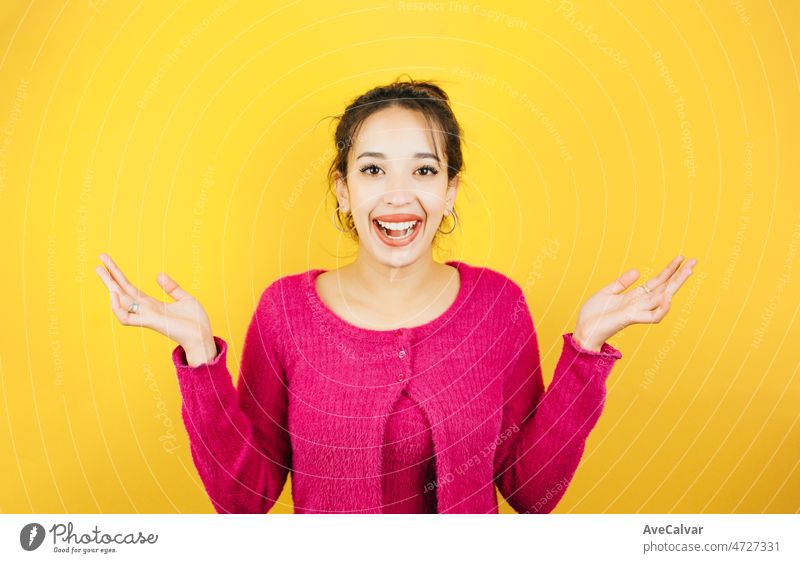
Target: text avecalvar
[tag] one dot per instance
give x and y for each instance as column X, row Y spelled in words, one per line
column 672, row 529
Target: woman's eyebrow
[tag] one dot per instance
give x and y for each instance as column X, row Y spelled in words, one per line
column 383, row 156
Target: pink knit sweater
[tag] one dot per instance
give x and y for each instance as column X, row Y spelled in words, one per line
column 408, row 460
column 316, row 396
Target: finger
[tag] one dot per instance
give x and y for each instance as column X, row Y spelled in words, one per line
column 622, row 282
column 120, row 305
column 651, row 300
column 651, row 316
column 678, row 279
column 665, row 274
column 119, row 276
column 109, row 282
column 171, row 287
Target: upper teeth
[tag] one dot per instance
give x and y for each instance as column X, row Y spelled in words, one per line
column 397, row 226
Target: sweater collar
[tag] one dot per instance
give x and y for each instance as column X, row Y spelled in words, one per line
column 415, row 333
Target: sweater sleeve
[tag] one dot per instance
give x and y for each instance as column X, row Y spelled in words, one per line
column 238, row 436
column 547, row 430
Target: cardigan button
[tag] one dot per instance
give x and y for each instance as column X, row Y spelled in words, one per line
column 401, row 354
column 400, row 377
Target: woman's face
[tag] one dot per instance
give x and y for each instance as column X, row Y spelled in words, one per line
column 396, row 188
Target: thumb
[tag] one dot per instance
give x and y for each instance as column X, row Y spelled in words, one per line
column 171, row 287
column 623, row 282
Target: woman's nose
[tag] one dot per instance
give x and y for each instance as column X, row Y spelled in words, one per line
column 397, row 193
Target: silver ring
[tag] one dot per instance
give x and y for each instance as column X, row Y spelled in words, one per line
column 134, row 308
column 644, row 287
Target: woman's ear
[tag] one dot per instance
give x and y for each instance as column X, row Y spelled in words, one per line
column 342, row 193
column 452, row 190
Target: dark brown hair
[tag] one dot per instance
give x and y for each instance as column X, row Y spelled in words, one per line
column 423, row 96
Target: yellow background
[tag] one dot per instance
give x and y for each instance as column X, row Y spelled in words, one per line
column 190, row 137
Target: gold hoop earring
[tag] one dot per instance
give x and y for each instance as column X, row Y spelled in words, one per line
column 455, row 222
column 334, row 217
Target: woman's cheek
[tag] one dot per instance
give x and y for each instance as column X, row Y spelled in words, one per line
column 433, row 202
column 363, row 203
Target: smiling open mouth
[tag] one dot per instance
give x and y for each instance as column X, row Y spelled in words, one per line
column 398, row 233
column 397, row 230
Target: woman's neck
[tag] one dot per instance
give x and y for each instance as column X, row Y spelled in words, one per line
column 393, row 288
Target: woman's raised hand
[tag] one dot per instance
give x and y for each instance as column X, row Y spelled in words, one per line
column 184, row 320
column 609, row 310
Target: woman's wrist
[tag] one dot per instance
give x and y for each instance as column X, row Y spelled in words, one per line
column 202, row 351
column 585, row 343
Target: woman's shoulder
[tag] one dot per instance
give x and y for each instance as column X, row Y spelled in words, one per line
column 290, row 280
column 488, row 280
column 286, row 291
column 496, row 297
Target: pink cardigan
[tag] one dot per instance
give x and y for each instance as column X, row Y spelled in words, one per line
column 409, row 460
column 314, row 393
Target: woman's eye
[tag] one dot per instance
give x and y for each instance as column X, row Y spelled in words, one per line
column 370, row 167
column 374, row 170
column 431, row 170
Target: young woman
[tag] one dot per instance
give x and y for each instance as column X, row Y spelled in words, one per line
column 394, row 383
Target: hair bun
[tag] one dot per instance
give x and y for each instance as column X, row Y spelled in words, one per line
column 432, row 89
column 418, row 87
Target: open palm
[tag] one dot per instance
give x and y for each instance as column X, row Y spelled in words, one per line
column 609, row 310
column 184, row 320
